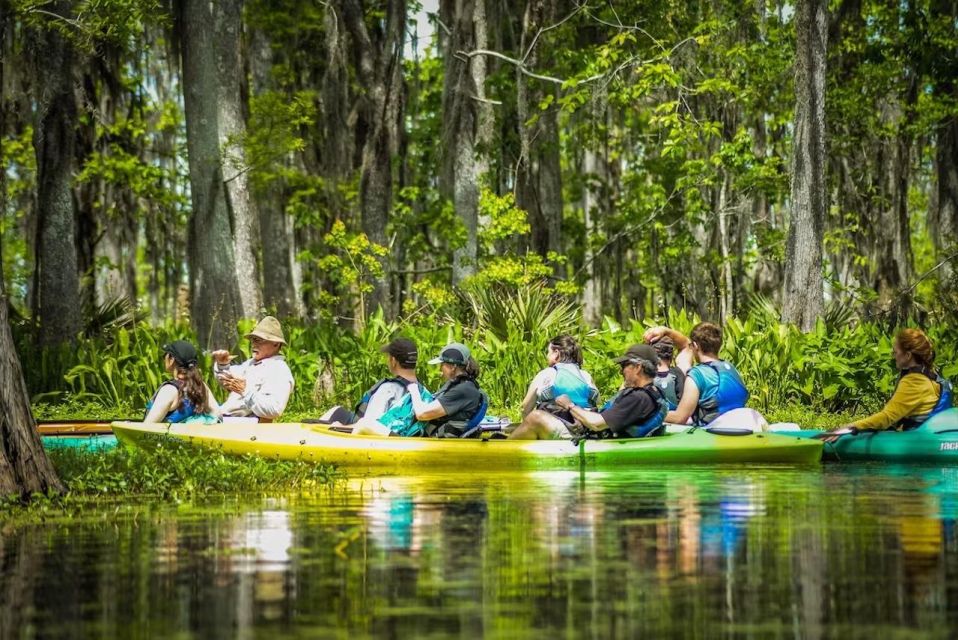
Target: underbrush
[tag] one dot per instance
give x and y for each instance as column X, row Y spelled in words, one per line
column 176, row 471
column 842, row 367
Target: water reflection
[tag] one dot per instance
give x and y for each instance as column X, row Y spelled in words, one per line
column 847, row 550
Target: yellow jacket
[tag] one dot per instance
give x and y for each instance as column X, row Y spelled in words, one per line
column 915, row 394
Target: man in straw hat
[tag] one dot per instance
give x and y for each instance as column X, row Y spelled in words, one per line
column 261, row 386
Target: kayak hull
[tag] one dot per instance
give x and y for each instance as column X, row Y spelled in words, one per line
column 936, row 441
column 294, row 441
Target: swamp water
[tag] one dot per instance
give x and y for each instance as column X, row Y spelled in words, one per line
column 855, row 551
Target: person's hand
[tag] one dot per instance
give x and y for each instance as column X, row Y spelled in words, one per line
column 832, row 436
column 233, row 383
column 565, row 402
column 222, row 356
column 654, row 334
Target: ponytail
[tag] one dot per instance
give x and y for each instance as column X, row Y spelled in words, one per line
column 194, row 389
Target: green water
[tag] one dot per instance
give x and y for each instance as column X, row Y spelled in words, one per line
column 837, row 551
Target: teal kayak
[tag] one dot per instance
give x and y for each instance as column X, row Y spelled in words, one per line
column 934, row 441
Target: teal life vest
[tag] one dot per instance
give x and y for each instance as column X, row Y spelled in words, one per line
column 719, row 394
column 360, row 409
column 667, row 383
column 569, row 381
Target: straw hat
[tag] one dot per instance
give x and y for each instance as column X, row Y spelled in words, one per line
column 268, row 329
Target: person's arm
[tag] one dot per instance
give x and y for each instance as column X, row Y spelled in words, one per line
column 910, row 394
column 529, row 402
column 592, row 420
column 165, row 401
column 380, row 401
column 424, row 411
column 653, row 335
column 222, row 365
column 270, row 399
column 211, row 400
column 690, row 400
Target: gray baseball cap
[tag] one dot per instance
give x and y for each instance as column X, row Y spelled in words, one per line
column 453, row 353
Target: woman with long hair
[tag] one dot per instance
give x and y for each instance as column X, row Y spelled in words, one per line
column 921, row 391
column 563, row 376
column 185, row 395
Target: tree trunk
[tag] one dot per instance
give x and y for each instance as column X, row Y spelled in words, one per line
column 24, row 466
column 803, row 295
column 463, row 161
column 539, row 179
column 215, row 296
column 54, row 141
column 231, row 120
column 946, row 150
column 279, row 288
column 379, row 69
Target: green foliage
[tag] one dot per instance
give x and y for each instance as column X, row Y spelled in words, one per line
column 355, row 262
column 177, row 471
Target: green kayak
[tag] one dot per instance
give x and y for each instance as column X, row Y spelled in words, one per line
column 294, row 441
column 934, row 441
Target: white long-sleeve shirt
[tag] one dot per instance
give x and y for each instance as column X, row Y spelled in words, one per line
column 269, row 383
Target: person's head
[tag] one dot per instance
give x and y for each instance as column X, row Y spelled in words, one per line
column 180, row 355
column 564, row 348
column 706, row 340
column 182, row 360
column 639, row 364
column 664, row 348
column 402, row 354
column 456, row 360
column 266, row 338
column 912, row 348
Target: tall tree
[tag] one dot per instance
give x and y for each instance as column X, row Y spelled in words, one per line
column 803, row 296
column 280, row 293
column 54, row 140
column 24, row 466
column 231, row 126
column 215, row 293
column 467, row 123
column 377, row 54
column 539, row 180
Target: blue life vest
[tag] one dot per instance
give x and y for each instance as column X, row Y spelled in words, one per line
column 945, row 399
column 654, row 423
column 457, row 428
column 183, row 411
column 569, row 381
column 718, row 394
column 667, row 383
column 363, row 404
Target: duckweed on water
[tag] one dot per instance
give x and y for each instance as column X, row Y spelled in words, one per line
column 175, row 471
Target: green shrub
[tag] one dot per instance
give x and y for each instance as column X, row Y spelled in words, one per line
column 843, row 366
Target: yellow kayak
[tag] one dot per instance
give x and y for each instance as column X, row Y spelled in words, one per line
column 295, row 441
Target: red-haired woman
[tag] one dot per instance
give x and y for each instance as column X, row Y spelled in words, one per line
column 921, row 391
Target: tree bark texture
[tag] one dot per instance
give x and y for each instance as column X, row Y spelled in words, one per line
column 539, row 181
column 379, row 69
column 280, row 293
column 54, row 141
column 24, row 466
column 803, row 295
column 215, row 298
column 465, row 123
column 231, row 120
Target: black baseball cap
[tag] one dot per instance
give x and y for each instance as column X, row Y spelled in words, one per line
column 183, row 353
column 404, row 351
column 638, row 352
